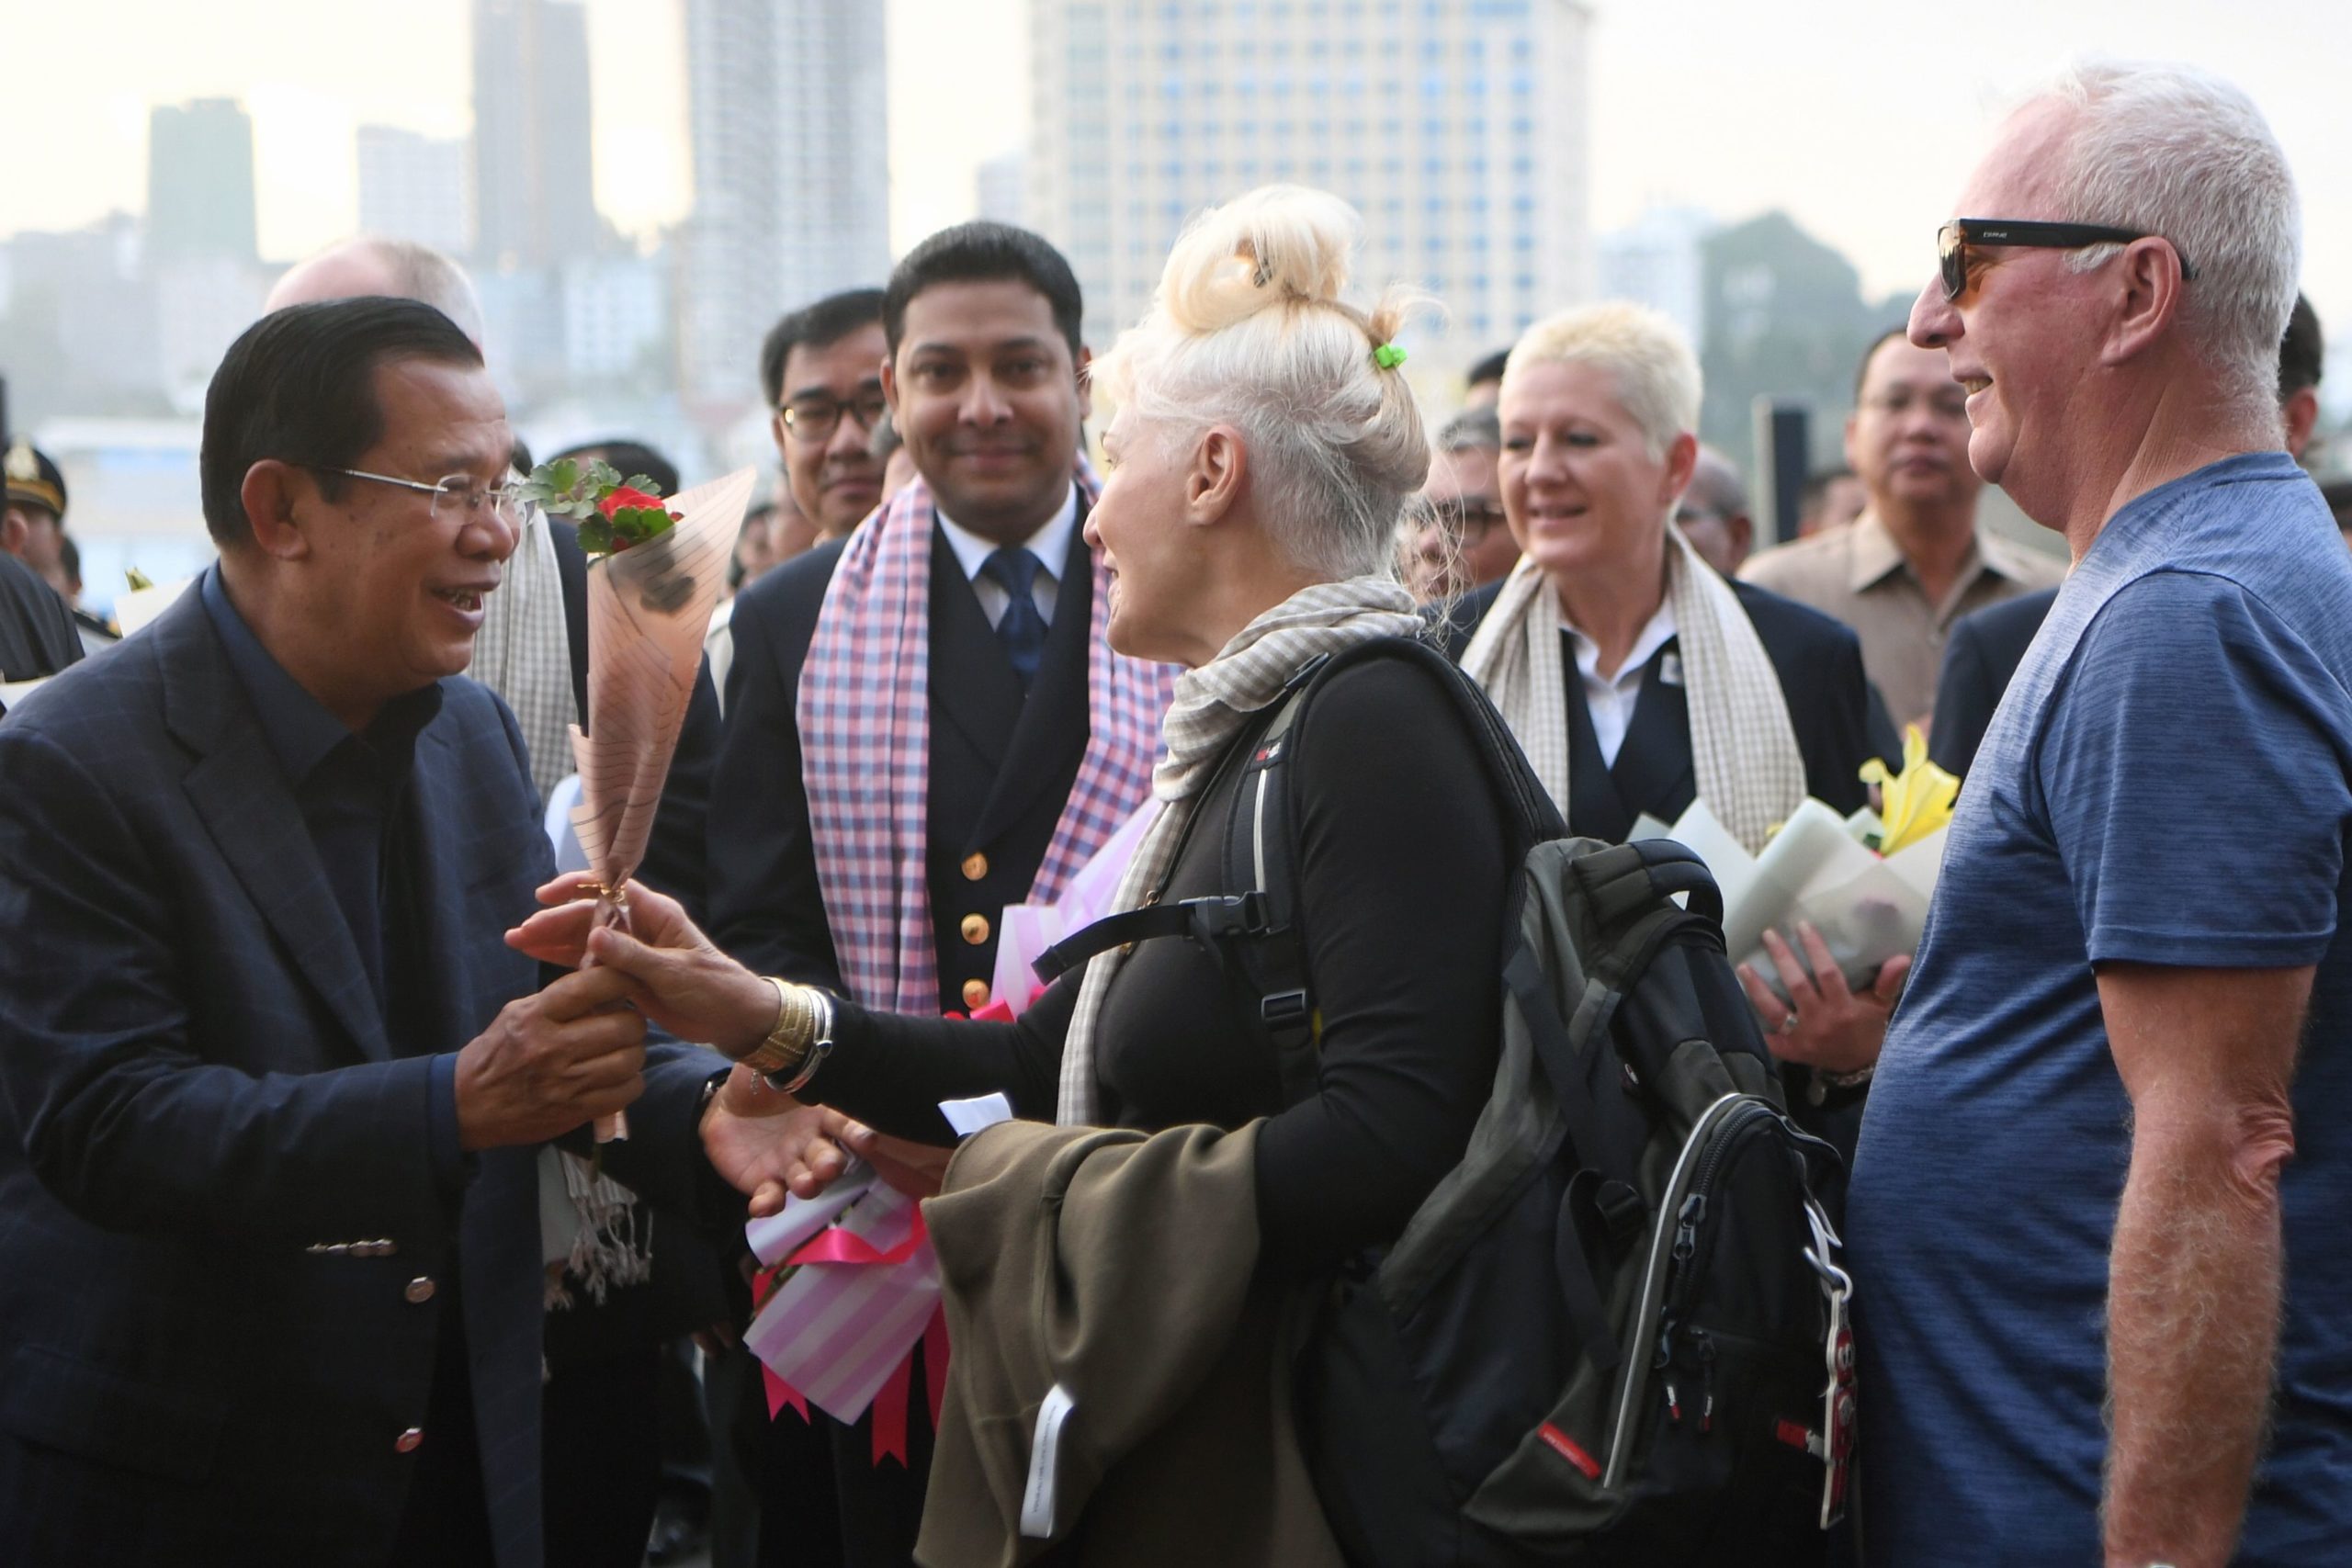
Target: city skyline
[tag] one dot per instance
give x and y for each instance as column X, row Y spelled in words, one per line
column 1460, row 133
column 1859, row 121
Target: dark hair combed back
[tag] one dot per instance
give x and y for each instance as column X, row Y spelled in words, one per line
column 982, row 252
column 1870, row 352
column 631, row 458
column 2301, row 352
column 300, row 386
column 1487, row 369
column 819, row 325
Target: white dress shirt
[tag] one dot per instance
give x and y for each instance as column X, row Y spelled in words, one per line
column 1610, row 700
column 1050, row 543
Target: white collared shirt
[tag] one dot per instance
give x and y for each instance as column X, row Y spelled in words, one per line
column 1610, row 701
column 1050, row 545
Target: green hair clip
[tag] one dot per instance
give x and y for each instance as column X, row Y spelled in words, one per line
column 1387, row 356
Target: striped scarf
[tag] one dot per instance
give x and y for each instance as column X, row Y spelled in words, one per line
column 1213, row 704
column 1742, row 748
column 523, row 654
column 864, row 718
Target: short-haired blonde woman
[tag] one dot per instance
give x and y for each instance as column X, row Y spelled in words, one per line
column 1262, row 449
column 1634, row 676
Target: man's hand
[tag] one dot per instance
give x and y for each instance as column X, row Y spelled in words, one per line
column 1830, row 1028
column 766, row 1144
column 680, row 979
column 550, row 1063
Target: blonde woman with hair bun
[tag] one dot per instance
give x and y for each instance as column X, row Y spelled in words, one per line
column 1260, row 448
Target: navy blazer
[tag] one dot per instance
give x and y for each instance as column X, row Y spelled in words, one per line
column 1819, row 662
column 1000, row 769
column 1984, row 653
column 221, row 1211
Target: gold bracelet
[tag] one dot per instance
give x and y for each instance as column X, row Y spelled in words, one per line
column 787, row 1040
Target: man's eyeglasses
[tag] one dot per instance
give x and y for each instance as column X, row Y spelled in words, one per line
column 459, row 495
column 1953, row 239
column 812, row 417
column 1467, row 519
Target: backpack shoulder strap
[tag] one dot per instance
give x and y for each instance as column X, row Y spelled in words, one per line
column 1262, row 854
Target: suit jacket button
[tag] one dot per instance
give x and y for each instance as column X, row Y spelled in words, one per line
column 419, row 1290
column 408, row 1442
column 976, row 994
column 975, row 928
column 976, row 867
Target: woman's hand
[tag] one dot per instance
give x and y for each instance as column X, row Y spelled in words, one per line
column 916, row 1169
column 1830, row 1027
column 681, row 981
column 766, row 1143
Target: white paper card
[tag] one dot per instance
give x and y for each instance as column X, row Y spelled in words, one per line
column 968, row 1116
column 781, row 1235
column 1045, row 1452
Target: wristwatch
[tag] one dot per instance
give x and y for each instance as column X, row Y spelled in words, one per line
column 799, row 1042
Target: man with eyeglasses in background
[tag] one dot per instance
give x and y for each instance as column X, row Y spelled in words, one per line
column 1712, row 513
column 1459, row 542
column 821, row 369
column 924, row 721
column 1917, row 559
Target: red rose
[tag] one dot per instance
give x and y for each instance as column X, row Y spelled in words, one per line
column 634, row 499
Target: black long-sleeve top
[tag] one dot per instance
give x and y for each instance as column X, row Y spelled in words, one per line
column 1402, row 873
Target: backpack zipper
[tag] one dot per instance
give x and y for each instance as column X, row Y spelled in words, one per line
column 1637, row 1349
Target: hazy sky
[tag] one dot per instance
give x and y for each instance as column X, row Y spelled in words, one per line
column 1860, row 119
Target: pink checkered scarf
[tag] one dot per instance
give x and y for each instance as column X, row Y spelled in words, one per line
column 865, row 713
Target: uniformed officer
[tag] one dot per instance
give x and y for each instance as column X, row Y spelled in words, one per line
column 924, row 724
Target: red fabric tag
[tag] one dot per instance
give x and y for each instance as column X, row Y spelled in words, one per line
column 781, row 1393
column 1795, row 1433
column 1567, row 1449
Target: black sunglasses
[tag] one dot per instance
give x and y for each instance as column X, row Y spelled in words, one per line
column 1955, row 238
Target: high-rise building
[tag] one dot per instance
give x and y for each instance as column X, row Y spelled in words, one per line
column 414, row 187
column 534, row 162
column 786, row 109
column 1001, row 188
column 200, row 180
column 1458, row 129
column 1660, row 260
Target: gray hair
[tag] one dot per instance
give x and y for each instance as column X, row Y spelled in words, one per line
column 2178, row 152
column 1472, row 430
column 1715, row 484
column 1249, row 325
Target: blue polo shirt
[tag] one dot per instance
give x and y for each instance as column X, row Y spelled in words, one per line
column 2169, row 781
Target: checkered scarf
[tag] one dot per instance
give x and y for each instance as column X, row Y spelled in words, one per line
column 523, row 654
column 1742, row 746
column 1212, row 702
column 865, row 715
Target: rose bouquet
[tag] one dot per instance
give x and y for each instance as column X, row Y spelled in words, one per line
column 654, row 578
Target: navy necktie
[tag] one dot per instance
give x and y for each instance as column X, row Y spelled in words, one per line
column 1021, row 629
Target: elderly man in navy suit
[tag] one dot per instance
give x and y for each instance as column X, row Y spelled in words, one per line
column 271, row 1081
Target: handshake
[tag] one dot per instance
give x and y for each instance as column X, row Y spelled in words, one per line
column 575, row 1051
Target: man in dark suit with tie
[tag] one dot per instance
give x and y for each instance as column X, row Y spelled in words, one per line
column 271, row 1083
column 925, row 723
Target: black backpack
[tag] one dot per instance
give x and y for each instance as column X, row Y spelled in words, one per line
column 1617, row 1331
